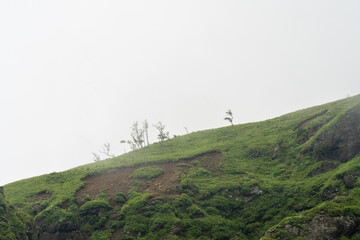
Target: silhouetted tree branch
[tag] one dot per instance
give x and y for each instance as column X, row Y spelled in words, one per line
column 162, row 135
column 229, row 117
column 106, row 150
column 96, row 157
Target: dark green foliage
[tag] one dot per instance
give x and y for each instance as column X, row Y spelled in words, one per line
column 135, row 203
column 195, row 212
column 101, row 235
column 12, row 222
column 120, row 198
column 136, row 224
column 183, row 201
column 93, row 205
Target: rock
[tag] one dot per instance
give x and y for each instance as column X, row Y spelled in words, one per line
column 276, row 152
column 320, row 227
column 351, row 179
column 330, row 192
column 256, row 191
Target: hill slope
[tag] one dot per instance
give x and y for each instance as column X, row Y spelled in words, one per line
column 277, row 178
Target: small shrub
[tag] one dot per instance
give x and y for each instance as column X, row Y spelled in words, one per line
column 147, row 173
column 135, row 203
column 93, row 205
column 195, row 212
column 120, row 198
column 184, row 201
column 199, row 173
column 212, row 211
column 115, row 224
column 136, row 224
column 102, row 235
column 196, row 163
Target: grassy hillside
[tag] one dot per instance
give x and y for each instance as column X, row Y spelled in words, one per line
column 235, row 182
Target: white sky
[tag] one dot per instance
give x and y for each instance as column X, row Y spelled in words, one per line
column 76, row 74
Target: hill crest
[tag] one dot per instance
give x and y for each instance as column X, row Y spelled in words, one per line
column 235, row 182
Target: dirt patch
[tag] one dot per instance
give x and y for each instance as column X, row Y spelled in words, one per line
column 40, row 197
column 113, row 182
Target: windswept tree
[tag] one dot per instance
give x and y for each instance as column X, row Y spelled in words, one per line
column 229, row 117
column 162, row 134
column 137, row 135
column 186, row 130
column 122, row 142
column 96, row 157
column 106, row 150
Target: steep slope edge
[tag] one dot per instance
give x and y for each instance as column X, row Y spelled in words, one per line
column 338, row 216
column 12, row 222
column 278, row 177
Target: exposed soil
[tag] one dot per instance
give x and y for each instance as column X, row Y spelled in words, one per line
column 40, row 197
column 113, row 182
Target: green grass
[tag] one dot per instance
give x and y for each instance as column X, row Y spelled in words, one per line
column 147, row 173
column 210, row 204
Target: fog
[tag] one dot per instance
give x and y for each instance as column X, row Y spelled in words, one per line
column 77, row 74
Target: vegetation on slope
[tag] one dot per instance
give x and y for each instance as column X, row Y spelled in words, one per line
column 271, row 173
column 12, row 221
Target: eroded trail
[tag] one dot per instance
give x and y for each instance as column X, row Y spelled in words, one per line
column 113, row 182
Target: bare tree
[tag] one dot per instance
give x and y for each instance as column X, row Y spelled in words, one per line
column 186, row 130
column 229, row 117
column 137, row 135
column 106, row 150
column 96, row 157
column 162, row 135
column 133, row 146
column 146, row 131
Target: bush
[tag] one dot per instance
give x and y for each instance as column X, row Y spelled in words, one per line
column 199, row 173
column 102, row 235
column 183, row 201
column 120, row 198
column 212, row 211
column 147, row 173
column 136, row 224
column 135, row 203
column 93, row 205
column 195, row 212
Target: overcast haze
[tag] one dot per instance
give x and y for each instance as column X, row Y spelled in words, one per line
column 76, row 74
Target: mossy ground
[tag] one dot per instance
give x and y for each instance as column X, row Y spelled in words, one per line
column 210, row 204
